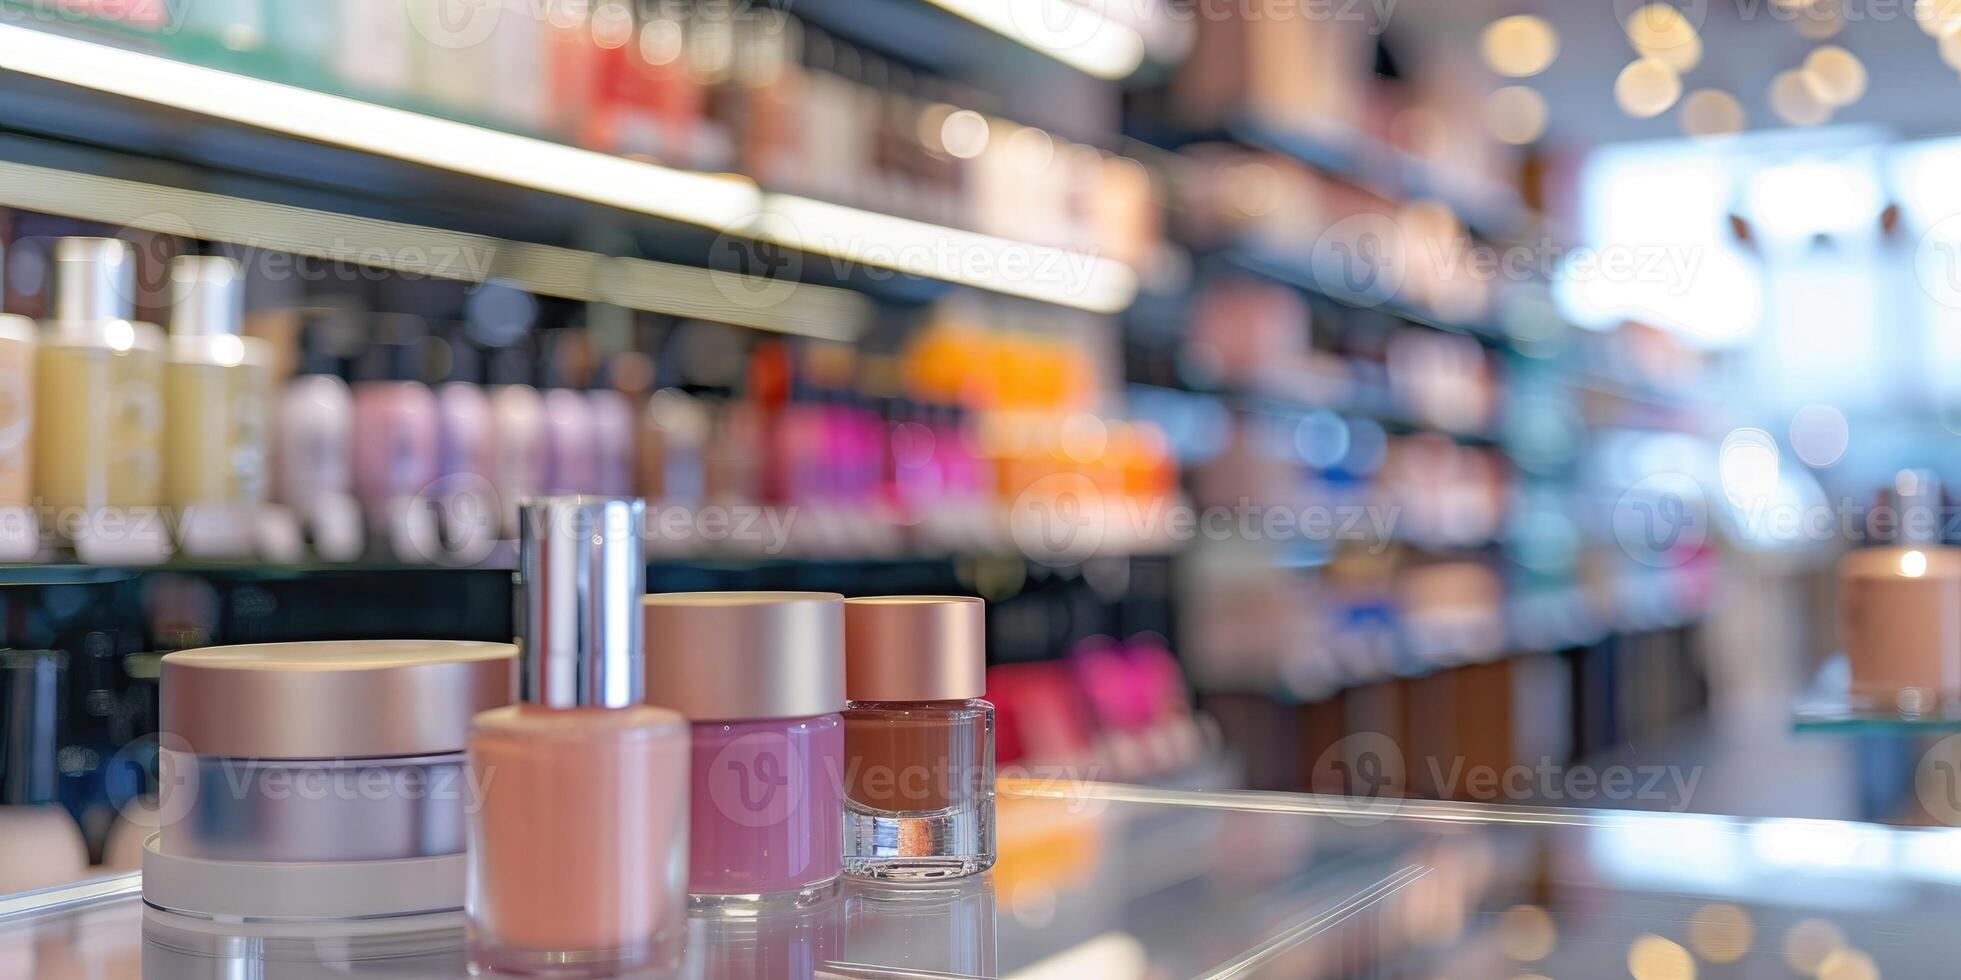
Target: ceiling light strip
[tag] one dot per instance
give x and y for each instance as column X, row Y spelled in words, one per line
column 657, row 287
column 1065, row 30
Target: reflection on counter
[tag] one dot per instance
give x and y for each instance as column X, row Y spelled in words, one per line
column 1136, row 883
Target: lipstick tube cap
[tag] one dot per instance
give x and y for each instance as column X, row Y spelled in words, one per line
column 581, row 577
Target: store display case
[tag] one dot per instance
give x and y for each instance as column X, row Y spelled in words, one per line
column 1116, row 881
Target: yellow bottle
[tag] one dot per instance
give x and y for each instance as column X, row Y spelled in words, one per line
column 216, row 386
column 98, row 408
column 19, row 538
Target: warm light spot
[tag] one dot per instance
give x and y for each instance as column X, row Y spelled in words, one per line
column 1646, row 88
column 1526, row 933
column 1651, row 957
column 1820, row 20
column 1913, row 564
column 228, row 350
column 120, row 335
column 1834, row 76
column 1515, row 114
column 1938, row 17
column 1809, row 942
column 1721, row 933
column 1252, row 188
column 964, row 134
column 1519, row 45
column 1848, row 964
column 1659, row 31
column 612, row 24
column 1031, row 150
column 1793, row 102
column 1084, row 437
column 1711, row 112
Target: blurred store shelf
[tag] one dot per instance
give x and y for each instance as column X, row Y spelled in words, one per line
column 107, row 96
column 1352, row 156
column 1299, row 271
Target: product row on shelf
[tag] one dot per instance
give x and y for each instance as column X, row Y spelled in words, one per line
column 318, row 427
column 709, row 86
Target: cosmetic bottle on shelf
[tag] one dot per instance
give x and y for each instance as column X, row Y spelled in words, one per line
column 517, row 423
column 20, row 535
column 761, row 676
column 615, row 437
column 375, row 56
column 1900, row 608
column 579, row 847
column 98, row 460
column 216, row 388
column 919, row 739
column 313, row 442
column 465, row 504
column 397, row 433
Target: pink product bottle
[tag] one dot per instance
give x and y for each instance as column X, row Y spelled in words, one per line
column 761, row 675
column 315, row 442
column 397, row 428
column 614, row 439
column 578, row 849
column 517, row 426
column 569, row 447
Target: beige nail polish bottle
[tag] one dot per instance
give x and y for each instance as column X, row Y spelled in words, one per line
column 215, row 395
column 578, row 847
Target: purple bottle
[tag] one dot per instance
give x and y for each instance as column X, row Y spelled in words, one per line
column 761, row 676
column 397, row 432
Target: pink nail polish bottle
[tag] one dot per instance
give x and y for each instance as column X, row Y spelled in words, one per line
column 761, row 675
column 397, row 430
column 578, row 847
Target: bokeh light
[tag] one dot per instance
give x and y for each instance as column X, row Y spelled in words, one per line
column 1515, row 114
column 1519, row 45
column 1647, row 87
column 1711, row 112
column 1661, row 32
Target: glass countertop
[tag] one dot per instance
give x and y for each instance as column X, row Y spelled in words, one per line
column 1116, row 881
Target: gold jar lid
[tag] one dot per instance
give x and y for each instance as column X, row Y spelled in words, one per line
column 729, row 656
column 915, row 648
column 333, row 700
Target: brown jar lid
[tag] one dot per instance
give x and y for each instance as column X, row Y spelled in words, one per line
column 333, row 700
column 915, row 648
column 730, row 656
